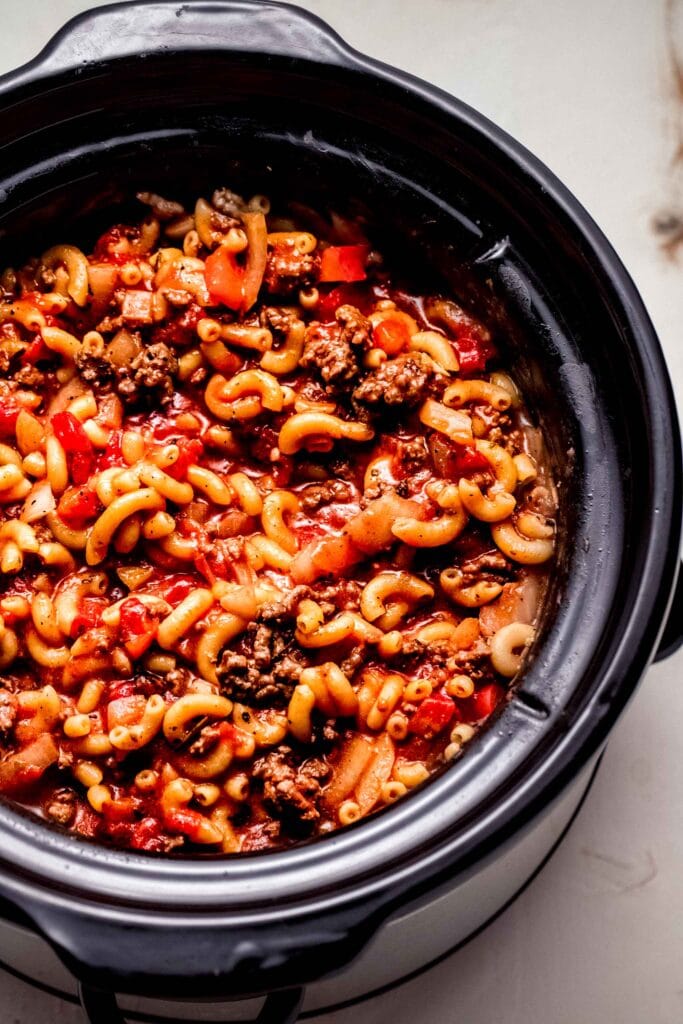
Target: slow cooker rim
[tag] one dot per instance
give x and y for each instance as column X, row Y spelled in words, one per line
column 661, row 570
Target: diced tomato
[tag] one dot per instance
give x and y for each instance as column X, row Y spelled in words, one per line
column 187, row 822
column 343, row 295
column 36, row 352
column 178, row 587
column 113, row 245
column 77, row 445
column 329, row 556
column 70, row 433
column 473, row 352
column 120, row 688
column 137, row 627
column 78, row 505
column 89, row 615
column 190, row 450
column 148, row 835
column 433, row 715
column 466, row 459
column 453, row 460
column 484, row 701
column 377, row 772
column 24, row 768
column 391, row 335
column 344, row 263
column 8, row 418
column 370, row 530
column 125, row 710
column 121, row 809
column 225, row 278
column 112, row 455
column 202, row 566
column 81, row 466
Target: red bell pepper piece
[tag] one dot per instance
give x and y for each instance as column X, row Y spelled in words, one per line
column 433, row 715
column 225, row 278
column 344, row 263
column 137, row 627
column 391, row 335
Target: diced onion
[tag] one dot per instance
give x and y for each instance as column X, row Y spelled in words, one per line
column 39, row 501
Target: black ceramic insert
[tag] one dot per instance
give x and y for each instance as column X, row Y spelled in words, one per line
column 180, row 98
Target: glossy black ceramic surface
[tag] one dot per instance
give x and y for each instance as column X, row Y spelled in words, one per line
column 181, row 98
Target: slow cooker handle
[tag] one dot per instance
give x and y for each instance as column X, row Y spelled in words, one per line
column 672, row 637
column 122, row 30
column 279, row 1008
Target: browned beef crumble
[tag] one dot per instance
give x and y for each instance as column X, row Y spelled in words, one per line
column 356, row 329
column 62, row 806
column 288, row 270
column 292, row 792
column 265, row 667
column 403, row 382
column 323, row 494
column 332, row 359
column 278, row 318
column 149, row 376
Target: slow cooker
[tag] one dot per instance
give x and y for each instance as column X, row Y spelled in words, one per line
column 183, row 97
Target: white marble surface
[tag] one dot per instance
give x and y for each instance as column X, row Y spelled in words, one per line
column 589, row 87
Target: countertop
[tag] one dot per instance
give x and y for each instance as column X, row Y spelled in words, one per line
column 591, row 88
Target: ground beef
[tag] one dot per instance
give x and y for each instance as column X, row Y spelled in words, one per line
column 330, row 349
column 8, row 711
column 412, row 454
column 484, row 566
column 151, row 370
column 285, row 609
column 178, row 297
column 291, row 791
column 356, row 657
column 278, row 318
column 343, row 595
column 287, row 270
column 475, row 663
column 62, row 806
column 206, row 740
column 46, row 279
column 176, row 681
column 227, row 202
column 150, row 374
column 404, row 382
column 265, row 668
column 332, row 359
column 29, row 377
column 315, row 495
column 162, row 208
column 356, row 329
column 94, row 369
